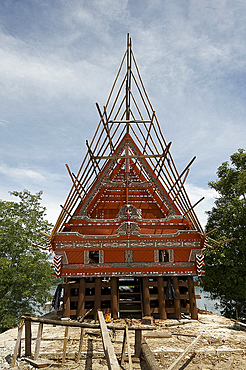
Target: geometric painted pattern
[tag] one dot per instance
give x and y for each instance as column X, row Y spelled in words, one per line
column 57, row 265
column 199, row 263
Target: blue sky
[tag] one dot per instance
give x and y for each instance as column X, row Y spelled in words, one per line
column 57, row 58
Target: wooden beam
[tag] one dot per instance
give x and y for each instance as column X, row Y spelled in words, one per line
column 139, row 156
column 38, row 341
column 161, row 298
column 192, row 299
column 176, row 364
column 39, row 364
column 64, row 209
column 123, row 352
column 105, row 125
column 177, row 308
column 130, row 121
column 164, row 155
column 107, row 344
column 114, row 298
column 186, row 168
column 97, row 301
column 190, row 209
column 148, row 133
column 94, row 162
column 65, row 345
column 18, row 343
column 211, row 231
column 163, row 159
column 149, row 357
column 182, row 184
column 76, row 179
column 66, row 302
column 80, row 344
column 138, row 342
column 28, row 336
column 146, row 296
column 81, row 300
column 82, row 325
column 74, row 183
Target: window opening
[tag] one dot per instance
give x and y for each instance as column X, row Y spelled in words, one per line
column 164, row 256
column 94, row 257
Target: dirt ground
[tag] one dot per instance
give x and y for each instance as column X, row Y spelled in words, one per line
column 221, row 346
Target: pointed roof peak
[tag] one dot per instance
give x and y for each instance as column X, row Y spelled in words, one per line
column 128, row 114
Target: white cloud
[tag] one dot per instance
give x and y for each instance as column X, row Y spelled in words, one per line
column 24, row 175
column 195, row 193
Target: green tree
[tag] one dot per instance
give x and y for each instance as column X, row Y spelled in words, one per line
column 25, row 271
column 225, row 264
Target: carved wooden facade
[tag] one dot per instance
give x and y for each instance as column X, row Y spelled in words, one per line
column 128, row 215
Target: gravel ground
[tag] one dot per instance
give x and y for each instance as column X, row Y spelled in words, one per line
column 220, row 346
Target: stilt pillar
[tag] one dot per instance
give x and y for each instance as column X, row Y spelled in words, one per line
column 146, row 297
column 192, row 298
column 177, row 309
column 28, row 337
column 114, row 298
column 97, row 301
column 66, row 300
column 81, row 300
column 161, row 298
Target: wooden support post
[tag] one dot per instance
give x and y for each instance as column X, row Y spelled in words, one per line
column 138, row 342
column 146, row 296
column 114, row 298
column 17, row 344
column 177, row 308
column 65, row 345
column 192, row 298
column 38, row 341
column 80, row 344
column 28, row 336
column 97, row 301
column 161, row 297
column 66, row 311
column 176, row 364
column 123, row 352
column 107, row 344
column 81, row 300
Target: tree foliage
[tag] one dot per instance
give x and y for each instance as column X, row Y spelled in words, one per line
column 225, row 270
column 25, row 271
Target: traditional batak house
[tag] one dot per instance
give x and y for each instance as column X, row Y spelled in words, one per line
column 127, row 240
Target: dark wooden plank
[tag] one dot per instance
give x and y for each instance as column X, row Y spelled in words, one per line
column 192, row 299
column 146, row 297
column 28, row 336
column 138, row 342
column 177, row 300
column 161, row 298
column 81, row 300
column 114, row 298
